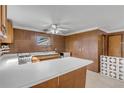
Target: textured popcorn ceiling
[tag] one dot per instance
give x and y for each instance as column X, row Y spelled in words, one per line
column 75, row 18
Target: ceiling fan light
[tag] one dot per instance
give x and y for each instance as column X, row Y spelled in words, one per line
column 54, row 26
column 52, row 31
column 57, row 31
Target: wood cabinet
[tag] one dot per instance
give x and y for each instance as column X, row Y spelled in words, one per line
column 53, row 83
column 3, row 17
column 115, row 45
column 74, row 79
column 9, row 33
column 0, row 21
column 86, row 45
column 44, row 57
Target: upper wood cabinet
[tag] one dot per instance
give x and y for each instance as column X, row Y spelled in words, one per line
column 4, row 15
column 3, row 18
column 9, row 33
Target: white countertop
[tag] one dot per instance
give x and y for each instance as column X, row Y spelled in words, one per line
column 27, row 75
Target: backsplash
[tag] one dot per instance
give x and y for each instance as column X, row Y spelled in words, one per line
column 25, row 41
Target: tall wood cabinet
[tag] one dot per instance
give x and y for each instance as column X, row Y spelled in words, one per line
column 86, row 45
column 3, row 17
column 6, row 27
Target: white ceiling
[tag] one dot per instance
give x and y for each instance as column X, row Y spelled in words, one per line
column 74, row 17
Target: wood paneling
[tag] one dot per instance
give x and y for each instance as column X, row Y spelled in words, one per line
column 104, row 44
column 74, row 79
column 25, row 41
column 58, row 42
column 85, row 45
column 115, row 48
column 53, row 83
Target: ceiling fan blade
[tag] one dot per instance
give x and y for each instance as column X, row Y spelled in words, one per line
column 46, row 26
column 63, row 26
column 62, row 29
column 45, row 30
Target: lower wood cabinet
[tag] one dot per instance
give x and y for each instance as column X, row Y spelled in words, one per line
column 74, row 79
column 53, row 83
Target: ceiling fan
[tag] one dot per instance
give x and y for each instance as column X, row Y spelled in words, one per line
column 55, row 29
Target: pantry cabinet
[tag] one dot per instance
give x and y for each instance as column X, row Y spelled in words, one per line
column 9, row 33
column 86, row 45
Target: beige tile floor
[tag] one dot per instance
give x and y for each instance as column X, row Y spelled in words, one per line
column 95, row 80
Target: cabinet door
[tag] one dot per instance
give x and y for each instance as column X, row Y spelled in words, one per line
column 0, row 21
column 4, row 15
column 53, row 83
column 115, row 46
column 0, row 17
column 9, row 33
column 74, row 79
column 3, row 18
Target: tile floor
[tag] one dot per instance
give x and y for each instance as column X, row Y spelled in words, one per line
column 95, row 80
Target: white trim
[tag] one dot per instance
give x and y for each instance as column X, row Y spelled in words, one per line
column 71, row 33
column 111, row 31
column 119, row 30
column 27, row 28
column 103, row 30
column 90, row 29
column 32, row 29
column 85, row 30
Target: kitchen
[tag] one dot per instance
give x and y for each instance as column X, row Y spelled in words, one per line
column 42, row 47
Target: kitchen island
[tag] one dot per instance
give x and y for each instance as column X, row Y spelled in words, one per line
column 61, row 72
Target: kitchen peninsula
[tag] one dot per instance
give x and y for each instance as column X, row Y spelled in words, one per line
column 60, row 72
